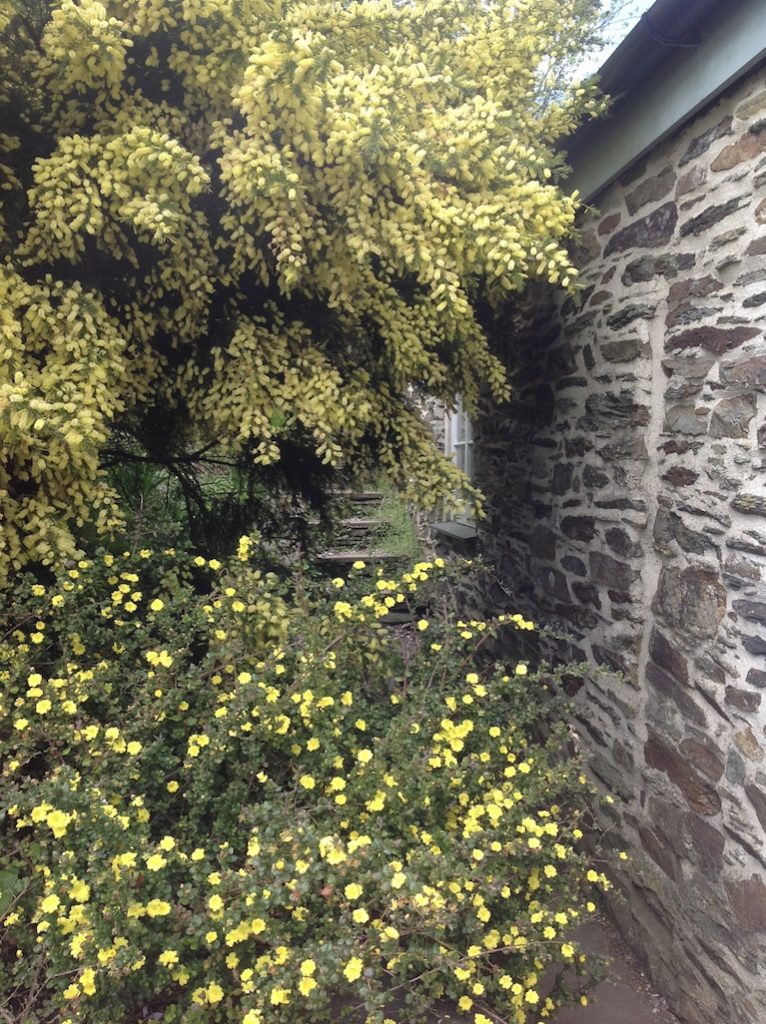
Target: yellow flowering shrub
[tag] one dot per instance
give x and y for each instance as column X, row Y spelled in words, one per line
column 226, row 799
column 263, row 225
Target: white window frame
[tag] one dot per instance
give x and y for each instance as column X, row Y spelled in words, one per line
column 459, row 439
column 459, row 446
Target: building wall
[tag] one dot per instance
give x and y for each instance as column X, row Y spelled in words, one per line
column 627, row 502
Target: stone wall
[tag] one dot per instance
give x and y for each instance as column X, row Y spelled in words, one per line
column 434, row 412
column 627, row 502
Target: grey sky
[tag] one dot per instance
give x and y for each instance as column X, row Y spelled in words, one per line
column 621, row 25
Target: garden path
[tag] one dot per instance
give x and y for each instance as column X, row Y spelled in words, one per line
column 627, row 997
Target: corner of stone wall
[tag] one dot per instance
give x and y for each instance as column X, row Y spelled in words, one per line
column 627, row 502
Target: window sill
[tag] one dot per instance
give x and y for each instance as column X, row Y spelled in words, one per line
column 459, row 537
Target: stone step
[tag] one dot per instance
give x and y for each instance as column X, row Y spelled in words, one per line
column 347, row 557
column 360, row 523
column 359, row 496
column 397, row 618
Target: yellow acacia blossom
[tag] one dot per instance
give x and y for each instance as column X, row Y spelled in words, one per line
column 378, row 183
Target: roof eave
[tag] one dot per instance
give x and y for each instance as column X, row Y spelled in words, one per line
column 675, row 61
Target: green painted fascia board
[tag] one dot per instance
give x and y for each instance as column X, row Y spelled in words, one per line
column 734, row 43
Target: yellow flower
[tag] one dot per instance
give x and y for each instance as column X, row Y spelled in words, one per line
column 398, row 880
column 423, row 625
column 353, row 891
column 306, row 986
column 307, row 781
column 156, row 862
column 58, row 822
column 214, row 992
column 360, row 916
column 79, row 892
column 158, row 908
column 168, row 958
column 353, row 969
column 364, row 756
column 157, row 605
column 520, row 670
column 215, row 903
column 50, row 904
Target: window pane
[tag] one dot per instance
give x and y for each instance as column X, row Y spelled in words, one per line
column 460, row 426
column 468, row 459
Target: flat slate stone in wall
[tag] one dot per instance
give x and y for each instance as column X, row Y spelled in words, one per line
column 627, row 502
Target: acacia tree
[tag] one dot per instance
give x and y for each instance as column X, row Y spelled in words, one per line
column 261, row 225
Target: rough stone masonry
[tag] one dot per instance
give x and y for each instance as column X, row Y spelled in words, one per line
column 627, row 502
